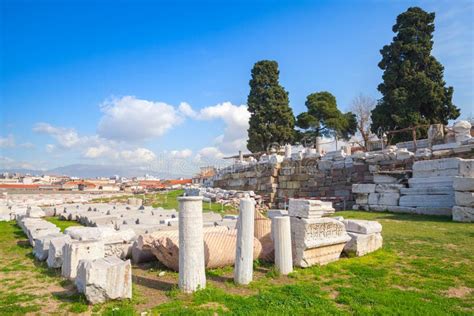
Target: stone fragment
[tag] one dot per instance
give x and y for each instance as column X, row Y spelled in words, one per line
column 463, row 184
column 384, row 198
column 55, row 252
column 464, row 198
column 362, row 244
column 76, row 250
column 41, row 248
column 463, row 214
column 104, row 279
column 362, row 226
column 317, row 240
column 363, row 188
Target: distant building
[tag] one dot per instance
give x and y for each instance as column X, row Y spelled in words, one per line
column 204, row 176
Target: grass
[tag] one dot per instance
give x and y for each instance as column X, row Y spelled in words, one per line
column 62, row 224
column 168, row 200
column 426, row 267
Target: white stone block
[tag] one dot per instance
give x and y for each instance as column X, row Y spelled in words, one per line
column 309, row 208
column 466, row 168
column 463, row 184
column 104, row 279
column 55, row 252
column 427, row 201
column 437, row 164
column 41, row 248
column 383, row 179
column 463, row 214
column 427, row 191
column 434, row 182
column 362, row 244
column 389, row 188
column 76, row 250
column 35, row 212
column 464, row 198
column 435, row 173
column 363, row 188
column 362, row 226
column 384, row 198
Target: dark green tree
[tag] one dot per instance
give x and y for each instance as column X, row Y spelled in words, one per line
column 323, row 118
column 413, row 90
column 271, row 119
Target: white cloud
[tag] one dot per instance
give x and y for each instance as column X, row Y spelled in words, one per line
column 8, row 141
column 97, row 151
column 137, row 156
column 9, row 163
column 132, row 119
column 66, row 137
column 181, row 154
column 50, row 148
column 236, row 119
column 187, row 110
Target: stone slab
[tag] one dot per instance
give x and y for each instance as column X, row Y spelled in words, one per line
column 427, row 201
column 76, row 250
column 388, row 188
column 463, row 214
column 464, row 198
column 427, row 191
column 363, row 188
column 362, row 226
column 433, row 182
column 466, row 168
column 41, row 249
column 436, row 164
column 384, row 198
column 463, row 184
column 362, row 244
column 55, row 252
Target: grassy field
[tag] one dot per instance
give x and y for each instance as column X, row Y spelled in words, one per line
column 426, row 267
column 167, row 200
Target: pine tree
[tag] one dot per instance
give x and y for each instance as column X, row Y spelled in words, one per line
column 271, row 119
column 413, row 89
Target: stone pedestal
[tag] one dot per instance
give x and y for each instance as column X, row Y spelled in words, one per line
column 243, row 270
column 282, row 241
column 192, row 275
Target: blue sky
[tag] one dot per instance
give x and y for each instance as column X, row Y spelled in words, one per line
column 165, row 83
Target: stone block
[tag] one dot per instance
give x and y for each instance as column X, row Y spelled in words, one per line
column 309, row 208
column 104, row 279
column 427, row 191
column 55, row 252
column 89, row 233
column 463, row 214
column 388, row 188
column 464, row 198
column 463, row 184
column 362, row 199
column 466, row 168
column 427, row 201
column 433, row 182
column 362, row 226
column 41, row 248
column 317, row 240
column 384, row 179
column 76, row 250
column 362, row 244
column 435, row 173
column 363, row 188
column 437, row 164
column 384, row 198
column 35, row 212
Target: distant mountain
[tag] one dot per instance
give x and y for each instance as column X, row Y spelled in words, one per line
column 92, row 171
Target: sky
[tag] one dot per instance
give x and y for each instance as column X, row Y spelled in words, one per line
column 163, row 85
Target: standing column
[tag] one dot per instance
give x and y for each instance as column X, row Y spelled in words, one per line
column 282, row 242
column 192, row 275
column 243, row 270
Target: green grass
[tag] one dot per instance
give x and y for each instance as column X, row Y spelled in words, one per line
column 62, row 224
column 426, row 267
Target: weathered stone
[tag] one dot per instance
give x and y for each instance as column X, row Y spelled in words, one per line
column 104, row 279
column 192, row 274
column 281, row 231
column 463, row 214
column 388, row 188
column 383, row 179
column 35, row 212
column 89, row 233
column 309, row 208
column 464, row 198
column 435, row 173
column 362, row 244
column 55, row 252
column 466, row 168
column 317, row 240
column 384, row 198
column 427, row 191
column 434, row 182
column 75, row 250
column 437, row 164
column 463, row 184
column 363, row 188
column 427, row 201
column 362, row 199
column 243, row 271
column 362, row 226
column 41, row 248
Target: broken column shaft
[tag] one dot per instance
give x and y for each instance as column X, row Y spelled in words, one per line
column 243, row 270
column 282, row 242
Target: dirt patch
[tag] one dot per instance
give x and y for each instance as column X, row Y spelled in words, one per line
column 458, row 292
